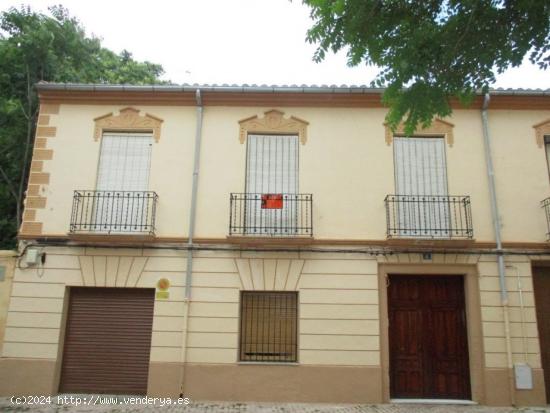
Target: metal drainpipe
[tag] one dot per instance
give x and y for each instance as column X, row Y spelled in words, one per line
column 522, row 313
column 499, row 251
column 192, row 216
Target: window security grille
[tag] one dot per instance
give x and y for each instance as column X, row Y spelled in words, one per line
column 268, row 329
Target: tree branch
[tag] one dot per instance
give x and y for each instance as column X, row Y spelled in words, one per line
column 23, row 110
column 466, row 30
column 9, row 183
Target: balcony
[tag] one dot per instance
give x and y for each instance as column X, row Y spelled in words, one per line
column 106, row 213
column 271, row 215
column 546, row 205
column 429, row 217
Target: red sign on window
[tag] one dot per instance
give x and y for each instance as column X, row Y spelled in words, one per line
column 272, row 201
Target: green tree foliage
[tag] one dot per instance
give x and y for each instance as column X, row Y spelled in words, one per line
column 36, row 47
column 432, row 50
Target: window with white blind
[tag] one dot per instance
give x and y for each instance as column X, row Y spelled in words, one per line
column 271, row 184
column 272, row 164
column 547, row 147
column 124, row 162
column 121, row 201
column 420, row 166
column 421, row 186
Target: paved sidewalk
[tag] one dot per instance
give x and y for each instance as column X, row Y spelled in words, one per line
column 112, row 404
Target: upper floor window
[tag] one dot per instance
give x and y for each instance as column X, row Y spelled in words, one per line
column 271, row 183
column 121, row 202
column 421, row 206
column 547, row 148
column 421, row 187
column 272, row 164
column 420, row 166
column 271, row 204
column 124, row 162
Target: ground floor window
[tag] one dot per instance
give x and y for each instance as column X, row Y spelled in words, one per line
column 268, row 330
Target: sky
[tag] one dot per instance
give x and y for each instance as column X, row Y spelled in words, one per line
column 230, row 41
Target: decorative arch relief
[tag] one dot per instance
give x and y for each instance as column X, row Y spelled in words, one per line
column 263, row 274
column 273, row 122
column 541, row 129
column 128, row 119
column 437, row 128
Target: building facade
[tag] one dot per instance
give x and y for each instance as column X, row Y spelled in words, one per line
column 282, row 244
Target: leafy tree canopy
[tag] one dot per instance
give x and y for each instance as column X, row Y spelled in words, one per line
column 432, row 50
column 37, row 47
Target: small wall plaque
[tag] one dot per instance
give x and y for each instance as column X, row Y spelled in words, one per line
column 162, row 295
column 2, row 273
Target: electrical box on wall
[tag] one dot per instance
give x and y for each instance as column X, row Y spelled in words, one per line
column 32, row 257
column 524, row 376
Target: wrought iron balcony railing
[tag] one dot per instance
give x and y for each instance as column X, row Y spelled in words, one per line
column 546, row 205
column 275, row 215
column 113, row 212
column 428, row 216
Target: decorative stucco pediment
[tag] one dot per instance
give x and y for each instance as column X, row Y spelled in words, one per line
column 273, row 122
column 542, row 129
column 129, row 120
column 437, row 128
column 259, row 274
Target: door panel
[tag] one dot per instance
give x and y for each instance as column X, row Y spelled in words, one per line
column 407, row 351
column 541, row 287
column 428, row 338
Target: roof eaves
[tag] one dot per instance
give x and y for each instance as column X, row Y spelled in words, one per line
column 245, row 88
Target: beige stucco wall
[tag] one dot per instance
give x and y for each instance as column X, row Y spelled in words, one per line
column 7, row 260
column 492, row 314
column 521, row 173
column 339, row 316
column 523, row 328
column 346, row 165
column 338, row 301
column 76, row 157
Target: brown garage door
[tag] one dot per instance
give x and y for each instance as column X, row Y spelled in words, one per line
column 107, row 341
column 541, row 286
column 428, row 341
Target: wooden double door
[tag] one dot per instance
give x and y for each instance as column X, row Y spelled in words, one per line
column 541, row 287
column 428, row 337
